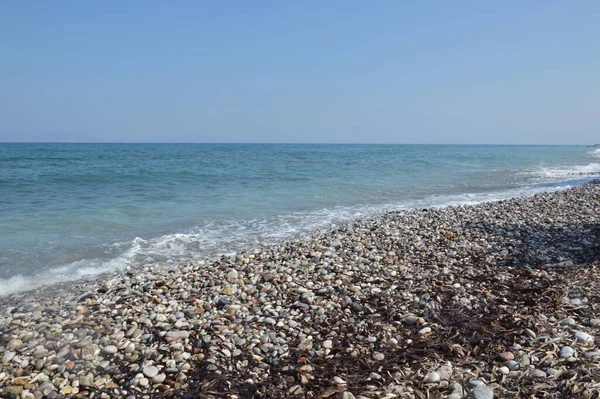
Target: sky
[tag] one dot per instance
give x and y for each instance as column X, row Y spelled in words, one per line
column 479, row 72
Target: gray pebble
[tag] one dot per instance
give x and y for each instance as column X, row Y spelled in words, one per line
column 482, row 393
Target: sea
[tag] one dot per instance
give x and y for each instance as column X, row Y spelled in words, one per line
column 73, row 211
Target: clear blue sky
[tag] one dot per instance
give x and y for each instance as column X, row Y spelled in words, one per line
column 301, row 71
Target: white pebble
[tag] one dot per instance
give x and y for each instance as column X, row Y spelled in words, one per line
column 431, row 377
column 583, row 337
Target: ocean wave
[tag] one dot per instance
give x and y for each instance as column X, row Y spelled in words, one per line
column 215, row 238
column 595, row 152
column 547, row 174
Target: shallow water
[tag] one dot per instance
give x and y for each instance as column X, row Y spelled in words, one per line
column 70, row 210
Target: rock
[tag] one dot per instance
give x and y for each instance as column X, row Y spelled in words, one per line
column 566, row 352
column 378, row 356
column 583, row 337
column 109, row 350
column 8, row 356
column 14, row 344
column 347, row 395
column 143, row 382
column 456, row 388
column 506, row 356
column 178, row 334
column 86, row 380
column 150, row 371
column 66, row 390
column 482, row 393
column 445, row 371
column 503, row 370
column 424, row 330
column 305, row 345
column 537, row 373
column 431, row 377
column 592, row 355
column 476, row 383
column 339, row 381
column 327, row 344
column 512, row 364
column 568, row 322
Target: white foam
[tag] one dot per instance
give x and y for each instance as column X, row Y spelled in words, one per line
column 595, row 153
column 556, row 174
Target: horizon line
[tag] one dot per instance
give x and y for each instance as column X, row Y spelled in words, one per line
column 286, row 143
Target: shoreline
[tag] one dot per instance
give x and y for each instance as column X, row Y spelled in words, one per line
column 407, row 303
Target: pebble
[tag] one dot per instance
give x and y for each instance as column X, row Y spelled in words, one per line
column 566, row 352
column 537, row 373
column 338, row 380
column 327, row 344
column 178, row 334
column 431, row 377
column 506, row 356
column 150, row 371
column 482, row 392
column 424, row 330
column 86, row 380
column 378, row 356
column 109, row 350
column 8, row 356
column 583, row 337
column 592, row 355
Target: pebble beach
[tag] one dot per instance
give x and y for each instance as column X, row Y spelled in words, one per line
column 495, row 300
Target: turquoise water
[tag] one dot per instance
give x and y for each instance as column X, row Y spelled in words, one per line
column 71, row 210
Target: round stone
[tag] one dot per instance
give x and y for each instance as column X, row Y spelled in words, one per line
column 8, row 356
column 583, row 337
column 506, row 356
column 378, row 356
column 431, row 377
column 482, row 393
column 568, row 322
column 109, row 350
column 566, row 352
column 150, row 371
column 424, row 330
column 178, row 334
column 327, row 344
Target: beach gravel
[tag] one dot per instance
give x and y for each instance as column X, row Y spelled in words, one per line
column 498, row 299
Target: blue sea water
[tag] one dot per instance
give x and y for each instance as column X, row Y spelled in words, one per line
column 73, row 210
